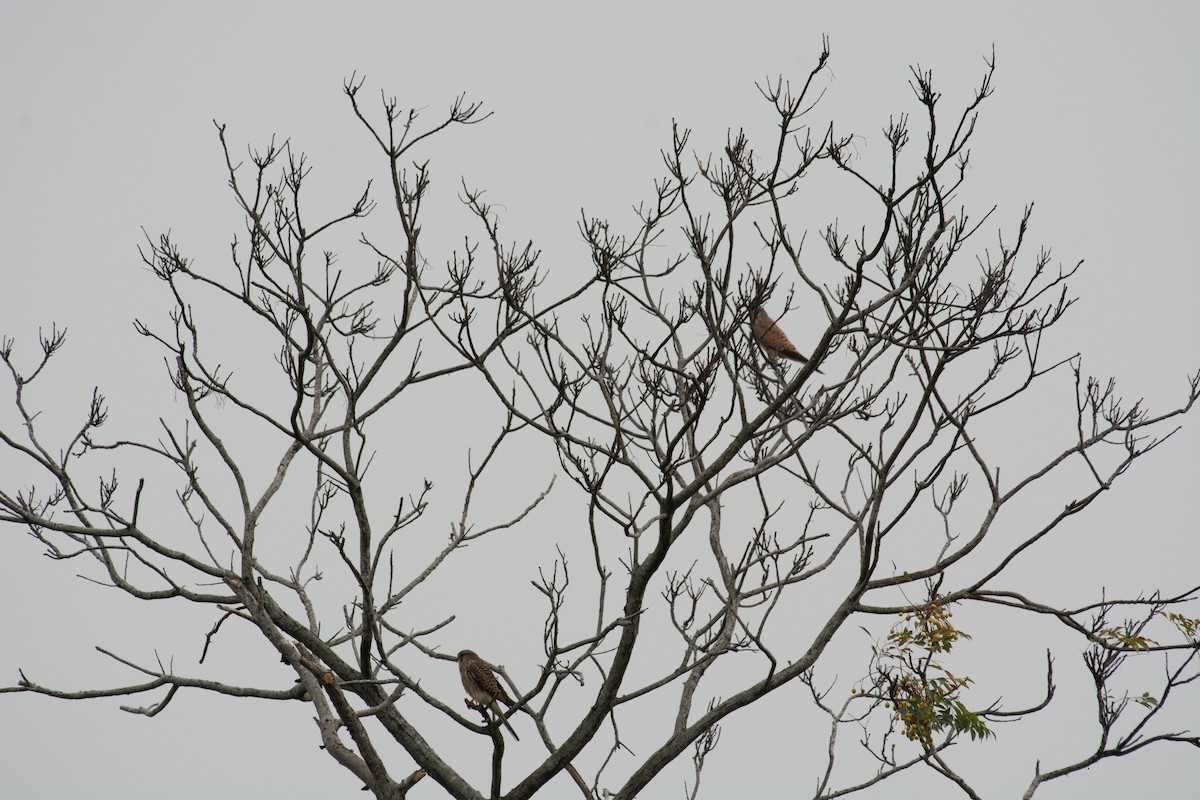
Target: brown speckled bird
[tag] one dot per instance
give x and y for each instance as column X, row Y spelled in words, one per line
column 482, row 686
column 772, row 339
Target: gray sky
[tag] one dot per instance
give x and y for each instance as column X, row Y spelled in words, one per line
column 106, row 127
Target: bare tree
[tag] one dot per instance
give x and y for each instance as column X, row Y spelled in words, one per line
column 735, row 511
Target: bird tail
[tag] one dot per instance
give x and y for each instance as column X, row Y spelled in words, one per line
column 499, row 712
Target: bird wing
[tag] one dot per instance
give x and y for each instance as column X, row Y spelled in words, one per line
column 773, row 339
column 481, row 683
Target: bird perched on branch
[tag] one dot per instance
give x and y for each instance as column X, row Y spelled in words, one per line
column 772, row 339
column 482, row 686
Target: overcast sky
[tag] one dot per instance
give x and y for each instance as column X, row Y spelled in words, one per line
column 106, row 128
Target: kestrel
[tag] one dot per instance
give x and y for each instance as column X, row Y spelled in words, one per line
column 482, row 686
column 773, row 340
